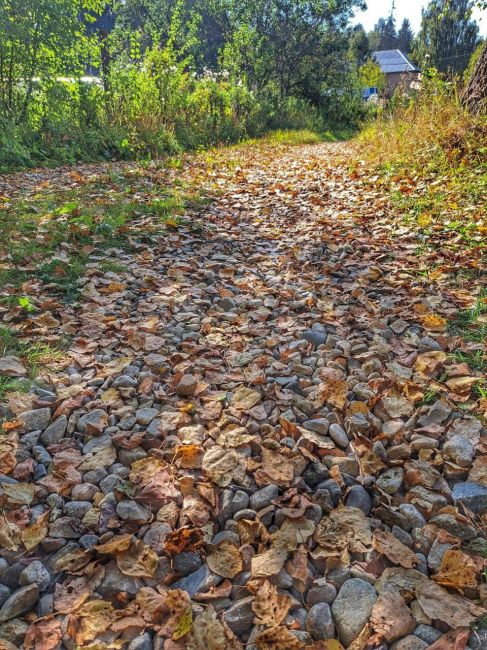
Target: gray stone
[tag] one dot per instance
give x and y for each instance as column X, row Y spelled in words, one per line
column 88, row 541
column 240, row 501
column 228, row 536
column 4, row 593
column 358, row 497
column 410, row 642
column 437, row 414
column 11, row 575
column 264, row 497
column 35, row 574
column 478, row 639
column 315, row 473
column 145, row 416
column 133, row 511
column 55, row 431
column 427, row 633
column 45, row 606
column 240, row 616
column 391, row 480
column 338, row 434
column 96, row 418
column 186, row 562
column 471, row 495
column 125, row 381
column 414, row 517
column 186, row 386
column 155, row 537
column 427, row 344
column 352, row 608
column 315, row 338
column 320, row 623
column 200, row 580
column 114, row 582
column 321, row 592
column 14, row 632
column 320, row 426
column 66, row 528
column 459, row 450
column 20, row 602
column 142, row 642
column 77, row 509
column 33, row 420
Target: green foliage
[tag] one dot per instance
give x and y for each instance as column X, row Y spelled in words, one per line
column 448, row 36
column 169, row 76
column 370, row 76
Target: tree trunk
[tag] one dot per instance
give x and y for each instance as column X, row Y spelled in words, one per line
column 475, row 94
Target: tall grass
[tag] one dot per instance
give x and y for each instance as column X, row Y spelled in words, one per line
column 428, row 132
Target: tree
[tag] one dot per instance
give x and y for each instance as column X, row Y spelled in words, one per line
column 448, row 36
column 291, row 44
column 475, row 94
column 405, row 37
column 384, row 35
column 359, row 45
column 40, row 39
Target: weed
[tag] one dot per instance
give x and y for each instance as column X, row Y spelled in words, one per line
column 430, row 396
column 467, row 322
column 11, row 385
column 475, row 360
column 107, row 266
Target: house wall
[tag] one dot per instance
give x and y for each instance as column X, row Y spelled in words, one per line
column 396, row 79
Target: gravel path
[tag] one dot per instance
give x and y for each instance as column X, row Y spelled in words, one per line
column 244, row 448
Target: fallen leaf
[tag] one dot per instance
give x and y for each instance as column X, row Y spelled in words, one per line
column 457, row 570
column 43, row 634
column 398, row 553
column 334, row 388
column 270, row 607
column 35, row 533
column 225, row 560
column 139, row 560
column 453, row 609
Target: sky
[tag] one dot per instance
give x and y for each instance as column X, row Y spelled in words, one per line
column 405, row 9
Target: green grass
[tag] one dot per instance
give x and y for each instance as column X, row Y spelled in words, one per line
column 11, row 385
column 292, row 137
column 467, row 323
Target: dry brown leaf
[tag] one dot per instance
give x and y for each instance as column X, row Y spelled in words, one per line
column 225, row 560
column 34, row 534
column 43, row 634
column 458, row 570
column 244, row 398
column 184, row 539
column 344, row 529
column 398, row 553
column 453, row 609
column 334, row 388
column 208, row 633
column 117, row 544
column 277, row 638
column 140, row 560
column 276, row 468
column 268, row 563
column 219, row 465
column 452, row 640
column 270, row 607
column 391, row 618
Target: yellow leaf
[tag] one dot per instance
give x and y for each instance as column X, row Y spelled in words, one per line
column 423, row 220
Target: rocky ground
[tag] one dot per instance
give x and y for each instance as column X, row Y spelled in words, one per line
column 262, row 435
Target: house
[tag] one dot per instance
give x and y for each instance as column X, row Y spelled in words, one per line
column 398, row 70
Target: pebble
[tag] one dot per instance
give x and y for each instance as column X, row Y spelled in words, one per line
column 21, row 601
column 35, row 573
column 459, row 450
column 55, row 431
column 186, row 386
column 240, row 616
column 391, row 480
column 264, row 497
column 471, row 495
column 133, row 512
column 410, row 642
column 320, row 623
column 338, row 435
column 321, row 591
column 352, row 607
column 34, row 420
column 358, row 497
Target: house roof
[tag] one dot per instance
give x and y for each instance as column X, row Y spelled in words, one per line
column 394, row 61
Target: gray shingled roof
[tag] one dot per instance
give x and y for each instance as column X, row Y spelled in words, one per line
column 393, row 61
